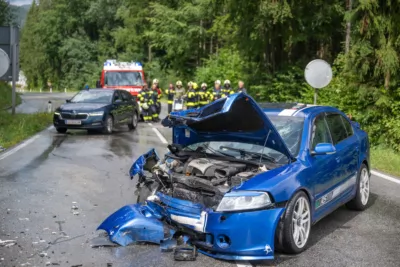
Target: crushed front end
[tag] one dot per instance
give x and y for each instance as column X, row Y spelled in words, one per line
column 195, row 196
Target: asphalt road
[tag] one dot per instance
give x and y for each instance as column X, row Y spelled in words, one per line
column 41, row 182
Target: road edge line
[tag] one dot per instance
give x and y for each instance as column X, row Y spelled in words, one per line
column 160, row 136
column 24, row 143
column 384, row 176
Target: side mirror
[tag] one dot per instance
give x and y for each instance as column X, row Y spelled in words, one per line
column 356, row 124
column 98, row 84
column 324, row 149
column 68, row 100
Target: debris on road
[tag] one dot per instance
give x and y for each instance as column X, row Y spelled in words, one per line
column 75, row 213
column 43, row 254
column 74, row 207
column 7, row 243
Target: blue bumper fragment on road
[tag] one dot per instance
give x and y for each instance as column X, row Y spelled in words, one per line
column 230, row 236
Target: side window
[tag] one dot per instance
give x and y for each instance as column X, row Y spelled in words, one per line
column 125, row 96
column 336, row 126
column 347, row 126
column 320, row 132
column 116, row 96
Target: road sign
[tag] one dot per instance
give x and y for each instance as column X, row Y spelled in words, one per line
column 4, row 62
column 9, row 36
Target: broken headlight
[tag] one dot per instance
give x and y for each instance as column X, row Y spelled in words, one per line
column 244, row 200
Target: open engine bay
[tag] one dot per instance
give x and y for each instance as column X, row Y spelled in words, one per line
column 196, row 176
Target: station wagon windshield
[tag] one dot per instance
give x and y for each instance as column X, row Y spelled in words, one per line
column 100, row 96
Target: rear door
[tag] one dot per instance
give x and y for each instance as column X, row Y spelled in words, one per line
column 127, row 105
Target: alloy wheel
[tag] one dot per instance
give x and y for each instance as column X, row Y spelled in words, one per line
column 301, row 222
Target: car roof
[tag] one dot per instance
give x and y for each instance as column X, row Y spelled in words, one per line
column 295, row 109
column 100, row 89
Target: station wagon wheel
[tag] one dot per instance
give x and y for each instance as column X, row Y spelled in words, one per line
column 294, row 228
column 360, row 200
column 109, row 125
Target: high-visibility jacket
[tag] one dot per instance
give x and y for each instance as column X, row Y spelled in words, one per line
column 227, row 91
column 144, row 96
column 217, row 94
column 155, row 96
column 192, row 100
column 170, row 95
column 204, row 96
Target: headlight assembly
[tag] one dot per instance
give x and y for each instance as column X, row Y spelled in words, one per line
column 97, row 113
column 244, row 200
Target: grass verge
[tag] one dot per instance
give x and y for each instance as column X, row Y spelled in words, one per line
column 14, row 129
column 6, row 96
column 385, row 160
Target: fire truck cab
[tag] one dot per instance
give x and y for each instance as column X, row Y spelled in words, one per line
column 127, row 76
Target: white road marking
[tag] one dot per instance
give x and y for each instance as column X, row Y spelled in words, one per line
column 22, row 145
column 384, row 176
column 160, row 136
column 243, row 264
column 150, row 124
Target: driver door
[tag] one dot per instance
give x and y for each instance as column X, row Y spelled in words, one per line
column 117, row 107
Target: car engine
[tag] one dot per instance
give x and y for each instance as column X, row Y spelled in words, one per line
column 200, row 179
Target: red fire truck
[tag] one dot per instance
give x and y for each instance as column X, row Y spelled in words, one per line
column 122, row 75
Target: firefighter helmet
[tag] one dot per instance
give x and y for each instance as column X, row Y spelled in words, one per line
column 217, row 82
column 190, row 83
column 155, row 81
column 203, row 85
column 227, row 82
column 178, row 83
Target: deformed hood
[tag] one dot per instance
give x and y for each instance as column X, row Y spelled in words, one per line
column 237, row 118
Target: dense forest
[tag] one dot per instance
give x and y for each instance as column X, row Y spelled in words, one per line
column 266, row 43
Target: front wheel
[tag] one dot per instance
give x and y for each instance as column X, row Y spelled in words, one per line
column 360, row 200
column 294, row 229
column 109, row 125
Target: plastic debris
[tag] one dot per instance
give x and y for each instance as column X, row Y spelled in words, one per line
column 7, row 243
column 43, row 254
column 75, row 213
column 74, row 207
column 185, row 253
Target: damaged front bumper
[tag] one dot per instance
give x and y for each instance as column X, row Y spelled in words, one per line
column 224, row 235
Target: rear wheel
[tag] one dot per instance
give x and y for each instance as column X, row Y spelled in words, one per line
column 134, row 121
column 360, row 201
column 294, row 229
column 61, row 130
column 109, row 125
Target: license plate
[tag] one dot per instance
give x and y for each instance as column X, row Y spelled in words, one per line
column 73, row 122
column 178, row 106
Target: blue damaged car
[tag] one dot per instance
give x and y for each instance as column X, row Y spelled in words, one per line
column 242, row 180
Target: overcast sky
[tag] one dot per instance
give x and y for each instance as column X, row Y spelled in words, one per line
column 20, row 2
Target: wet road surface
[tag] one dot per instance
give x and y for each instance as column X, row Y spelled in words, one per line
column 40, row 183
column 37, row 102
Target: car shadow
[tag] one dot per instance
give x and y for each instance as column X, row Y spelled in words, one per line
column 334, row 221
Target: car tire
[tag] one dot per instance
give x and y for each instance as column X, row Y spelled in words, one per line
column 61, row 130
column 294, row 228
column 133, row 124
column 360, row 201
column 109, row 125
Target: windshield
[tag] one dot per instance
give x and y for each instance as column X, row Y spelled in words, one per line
column 103, row 96
column 123, row 78
column 290, row 128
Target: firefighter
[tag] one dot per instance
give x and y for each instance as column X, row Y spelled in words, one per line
column 191, row 99
column 170, row 95
column 179, row 90
column 241, row 88
column 159, row 92
column 196, row 88
column 217, row 92
column 227, row 89
column 155, row 103
column 204, row 95
column 145, row 100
